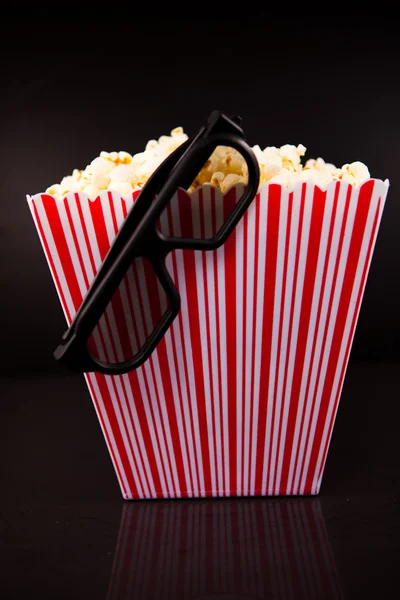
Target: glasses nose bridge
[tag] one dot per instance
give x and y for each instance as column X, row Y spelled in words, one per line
column 155, row 246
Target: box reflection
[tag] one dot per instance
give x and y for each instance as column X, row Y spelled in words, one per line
column 228, row 549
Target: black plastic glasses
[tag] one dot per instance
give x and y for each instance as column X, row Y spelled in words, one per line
column 133, row 278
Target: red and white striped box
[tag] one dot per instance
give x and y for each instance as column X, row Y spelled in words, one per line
column 240, row 396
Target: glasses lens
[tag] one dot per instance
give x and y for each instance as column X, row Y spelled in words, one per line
column 131, row 317
column 215, row 193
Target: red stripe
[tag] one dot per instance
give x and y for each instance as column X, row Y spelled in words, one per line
column 230, row 291
column 141, row 459
column 155, row 309
column 181, row 399
column 150, row 401
column 110, row 410
column 181, row 329
column 104, row 244
column 76, row 243
column 78, row 202
column 147, row 455
column 317, row 214
column 163, row 428
column 189, row 261
column 363, row 208
column 96, row 212
column 257, row 224
column 273, row 219
column 186, row 224
column 112, row 210
column 50, row 207
column 141, row 405
column 217, row 256
column 241, row 417
column 289, row 333
column 108, row 441
column 210, row 366
column 271, row 467
column 162, row 355
column 331, row 296
column 169, row 402
column 321, row 298
column 351, row 336
column 50, row 259
column 176, row 330
column 201, row 214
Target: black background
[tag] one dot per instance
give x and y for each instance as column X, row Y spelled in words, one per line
column 72, row 87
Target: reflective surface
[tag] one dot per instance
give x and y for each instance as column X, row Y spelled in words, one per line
column 65, row 531
column 226, row 549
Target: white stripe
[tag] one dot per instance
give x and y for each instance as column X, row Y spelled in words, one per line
column 145, row 370
column 184, row 392
column 248, row 361
column 328, row 261
column 100, row 410
column 48, row 237
column 199, row 257
column 109, row 383
column 378, row 192
column 156, row 401
column 295, row 324
column 190, row 366
column 131, row 425
column 283, row 214
column 176, row 393
column 259, row 318
column 326, row 222
column 331, row 325
column 291, row 259
column 172, row 350
column 223, row 362
column 239, row 351
column 71, row 247
column 209, row 258
column 220, row 254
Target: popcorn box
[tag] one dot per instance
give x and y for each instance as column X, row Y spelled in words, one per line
column 240, row 396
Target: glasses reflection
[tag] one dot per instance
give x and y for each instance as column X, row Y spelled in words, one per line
column 228, row 549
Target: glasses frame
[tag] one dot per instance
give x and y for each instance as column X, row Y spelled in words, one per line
column 140, row 237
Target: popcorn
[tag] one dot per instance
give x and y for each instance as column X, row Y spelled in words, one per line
column 123, row 173
column 123, row 187
column 355, row 173
column 126, row 173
